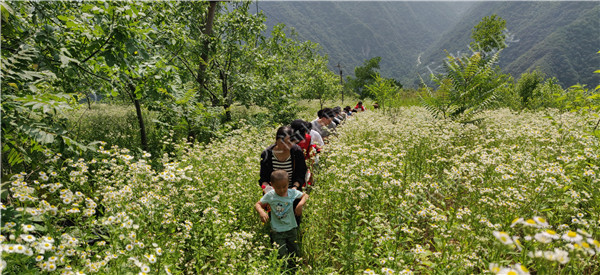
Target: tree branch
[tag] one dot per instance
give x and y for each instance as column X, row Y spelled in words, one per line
column 87, row 71
column 187, row 67
column 110, row 35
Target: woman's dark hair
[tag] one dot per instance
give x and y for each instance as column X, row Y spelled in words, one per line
column 328, row 113
column 300, row 128
column 360, row 103
column 337, row 109
column 283, row 132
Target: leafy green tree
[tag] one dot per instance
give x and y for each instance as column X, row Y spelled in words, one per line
column 384, row 89
column 489, row 35
column 468, row 87
column 580, row 98
column 112, row 47
column 527, row 84
column 363, row 76
column 31, row 96
column 157, row 55
column 321, row 84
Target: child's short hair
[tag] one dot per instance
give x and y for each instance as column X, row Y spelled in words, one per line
column 279, row 175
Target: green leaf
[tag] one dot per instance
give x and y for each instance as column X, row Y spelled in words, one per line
column 65, row 59
column 6, row 11
column 71, row 24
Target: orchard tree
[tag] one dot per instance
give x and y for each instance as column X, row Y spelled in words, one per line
column 489, row 35
column 384, row 90
column 364, row 75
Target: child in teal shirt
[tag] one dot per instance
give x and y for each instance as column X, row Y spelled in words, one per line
column 284, row 229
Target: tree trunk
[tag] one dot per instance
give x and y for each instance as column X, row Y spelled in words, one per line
column 226, row 95
column 87, row 96
column 138, row 111
column 191, row 135
column 207, row 31
column 321, row 102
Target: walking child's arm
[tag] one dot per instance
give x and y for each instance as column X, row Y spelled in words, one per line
column 264, row 217
column 300, row 205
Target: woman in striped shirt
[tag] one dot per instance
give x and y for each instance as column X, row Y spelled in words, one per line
column 283, row 155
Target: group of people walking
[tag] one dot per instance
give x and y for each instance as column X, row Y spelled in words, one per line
column 285, row 172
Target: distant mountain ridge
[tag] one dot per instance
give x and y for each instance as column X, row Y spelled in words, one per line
column 559, row 38
column 351, row 32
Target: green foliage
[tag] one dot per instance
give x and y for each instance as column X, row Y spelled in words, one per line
column 576, row 98
column 543, row 96
column 322, row 85
column 384, row 90
column 469, row 86
column 114, row 125
column 557, row 38
column 147, row 54
column 30, row 102
column 488, row 35
column 532, row 91
column 527, row 84
column 580, row 99
column 364, row 75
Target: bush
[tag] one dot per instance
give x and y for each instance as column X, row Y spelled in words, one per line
column 469, row 86
column 544, row 95
column 527, row 84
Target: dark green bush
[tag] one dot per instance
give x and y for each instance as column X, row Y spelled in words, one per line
column 527, row 84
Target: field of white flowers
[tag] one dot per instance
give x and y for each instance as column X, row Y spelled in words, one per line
column 399, row 193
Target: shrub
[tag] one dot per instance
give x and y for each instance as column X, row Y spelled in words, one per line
column 527, row 84
column 469, row 86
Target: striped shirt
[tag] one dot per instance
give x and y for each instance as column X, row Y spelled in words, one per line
column 284, row 165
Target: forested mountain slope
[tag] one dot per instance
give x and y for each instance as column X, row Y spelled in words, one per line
column 559, row 38
column 351, row 32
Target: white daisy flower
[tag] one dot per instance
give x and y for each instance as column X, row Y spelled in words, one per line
column 572, row 236
column 508, row 271
column 28, row 227
column 541, row 222
column 27, row 237
column 530, row 222
column 542, row 238
column 503, row 237
column 584, row 233
column 521, row 269
column 594, row 243
column 561, row 256
column 19, row 248
column 494, row 268
column 151, row 258
column 2, row 265
column 551, row 234
column 587, row 247
column 516, row 221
